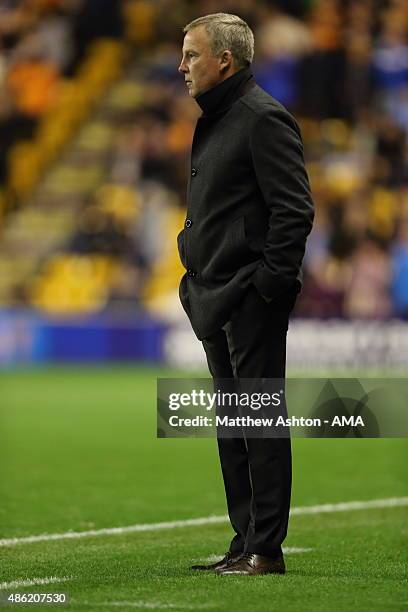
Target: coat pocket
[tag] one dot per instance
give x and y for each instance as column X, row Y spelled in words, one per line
column 225, row 252
column 234, row 243
column 244, row 245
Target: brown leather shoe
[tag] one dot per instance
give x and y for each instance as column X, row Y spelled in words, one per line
column 224, row 562
column 250, row 564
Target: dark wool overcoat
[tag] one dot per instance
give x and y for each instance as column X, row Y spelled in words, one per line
column 249, row 207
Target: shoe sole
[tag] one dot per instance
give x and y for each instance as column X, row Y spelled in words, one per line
column 205, row 569
column 243, row 573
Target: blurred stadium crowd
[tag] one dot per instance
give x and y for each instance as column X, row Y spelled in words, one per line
column 96, row 127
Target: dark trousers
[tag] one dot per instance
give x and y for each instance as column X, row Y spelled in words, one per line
column 257, row 472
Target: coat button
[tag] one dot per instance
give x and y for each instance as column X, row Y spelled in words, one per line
column 194, row 172
column 191, row 273
column 188, row 223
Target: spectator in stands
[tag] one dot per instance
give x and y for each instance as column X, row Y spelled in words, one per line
column 368, row 294
column 400, row 272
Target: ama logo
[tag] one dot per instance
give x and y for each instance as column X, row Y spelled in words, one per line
column 352, row 421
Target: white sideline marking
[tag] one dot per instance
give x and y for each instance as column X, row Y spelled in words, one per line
column 15, row 584
column 390, row 502
column 294, row 550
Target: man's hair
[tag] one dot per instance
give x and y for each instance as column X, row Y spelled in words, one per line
column 227, row 31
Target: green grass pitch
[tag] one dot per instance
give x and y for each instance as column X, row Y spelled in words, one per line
column 78, row 451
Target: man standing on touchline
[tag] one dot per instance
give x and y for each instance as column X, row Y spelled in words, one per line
column 249, row 212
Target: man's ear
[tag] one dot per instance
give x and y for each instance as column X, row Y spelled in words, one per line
column 226, row 60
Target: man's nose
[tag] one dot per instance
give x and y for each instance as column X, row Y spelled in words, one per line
column 182, row 68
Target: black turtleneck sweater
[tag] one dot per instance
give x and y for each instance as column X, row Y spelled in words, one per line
column 222, row 96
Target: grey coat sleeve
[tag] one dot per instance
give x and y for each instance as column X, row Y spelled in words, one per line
column 277, row 154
